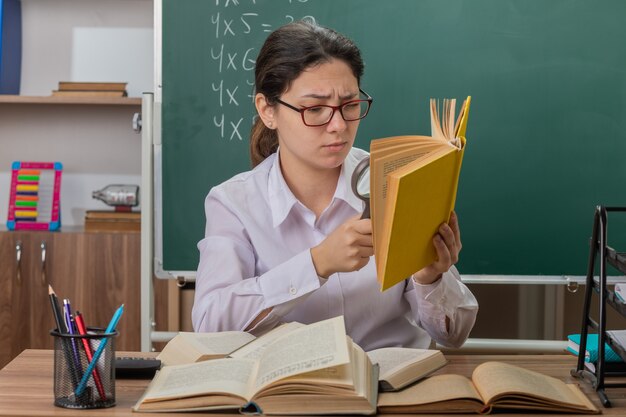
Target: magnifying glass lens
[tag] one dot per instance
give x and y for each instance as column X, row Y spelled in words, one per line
column 363, row 183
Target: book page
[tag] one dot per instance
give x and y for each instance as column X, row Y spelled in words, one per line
column 309, row 348
column 189, row 347
column 254, row 349
column 434, row 389
column 231, row 376
column 495, row 379
column 326, row 379
column 393, row 359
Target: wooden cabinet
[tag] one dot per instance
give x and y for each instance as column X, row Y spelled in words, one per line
column 96, row 271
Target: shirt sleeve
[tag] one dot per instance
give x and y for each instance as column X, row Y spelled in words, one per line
column 229, row 296
column 448, row 297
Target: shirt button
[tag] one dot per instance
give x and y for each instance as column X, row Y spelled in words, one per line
column 293, row 290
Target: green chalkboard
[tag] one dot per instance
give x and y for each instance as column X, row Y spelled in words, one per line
column 546, row 134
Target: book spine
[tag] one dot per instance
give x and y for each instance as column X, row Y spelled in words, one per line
column 459, row 156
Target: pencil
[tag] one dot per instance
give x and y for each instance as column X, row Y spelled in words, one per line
column 56, row 311
column 62, row 329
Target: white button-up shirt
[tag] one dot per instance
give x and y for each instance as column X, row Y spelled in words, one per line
column 256, row 255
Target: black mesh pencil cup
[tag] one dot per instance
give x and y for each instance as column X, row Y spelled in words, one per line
column 71, row 361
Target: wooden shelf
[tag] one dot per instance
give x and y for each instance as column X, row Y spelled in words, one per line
column 121, row 101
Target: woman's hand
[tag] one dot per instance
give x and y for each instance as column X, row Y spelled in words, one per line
column 348, row 248
column 448, row 245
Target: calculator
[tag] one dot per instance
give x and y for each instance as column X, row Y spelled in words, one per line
column 136, row 367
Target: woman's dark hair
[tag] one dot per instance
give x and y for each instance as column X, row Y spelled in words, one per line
column 286, row 53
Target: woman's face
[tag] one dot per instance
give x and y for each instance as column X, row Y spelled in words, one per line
column 324, row 147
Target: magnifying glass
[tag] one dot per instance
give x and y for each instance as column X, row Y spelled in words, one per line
column 361, row 184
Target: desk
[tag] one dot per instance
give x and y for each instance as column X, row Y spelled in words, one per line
column 26, row 384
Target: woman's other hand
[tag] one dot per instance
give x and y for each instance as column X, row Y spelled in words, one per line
column 448, row 245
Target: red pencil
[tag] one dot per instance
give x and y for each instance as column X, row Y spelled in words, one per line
column 82, row 330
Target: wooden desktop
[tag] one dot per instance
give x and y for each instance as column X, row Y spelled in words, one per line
column 26, row 383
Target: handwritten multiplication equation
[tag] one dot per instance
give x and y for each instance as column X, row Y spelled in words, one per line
column 239, row 29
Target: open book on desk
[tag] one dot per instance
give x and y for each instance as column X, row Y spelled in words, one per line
column 399, row 367
column 413, row 184
column 494, row 386
column 315, row 369
column 190, row 347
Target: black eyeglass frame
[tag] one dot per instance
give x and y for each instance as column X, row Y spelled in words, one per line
column 367, row 99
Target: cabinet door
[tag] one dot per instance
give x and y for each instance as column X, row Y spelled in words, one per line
column 41, row 318
column 98, row 272
column 15, row 295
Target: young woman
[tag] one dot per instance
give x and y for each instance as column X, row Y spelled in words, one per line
column 284, row 241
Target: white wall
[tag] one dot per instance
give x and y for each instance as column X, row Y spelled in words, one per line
column 47, row 29
column 95, row 143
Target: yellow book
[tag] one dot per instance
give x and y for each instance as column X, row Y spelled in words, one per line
column 414, row 181
column 494, row 386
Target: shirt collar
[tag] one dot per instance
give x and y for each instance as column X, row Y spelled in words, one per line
column 282, row 200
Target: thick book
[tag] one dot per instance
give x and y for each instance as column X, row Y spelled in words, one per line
column 399, row 367
column 494, row 386
column 413, row 184
column 89, row 94
column 315, row 369
column 190, row 347
column 591, row 353
column 91, row 86
column 112, row 221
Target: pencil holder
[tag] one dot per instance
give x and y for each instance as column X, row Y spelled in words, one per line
column 72, row 357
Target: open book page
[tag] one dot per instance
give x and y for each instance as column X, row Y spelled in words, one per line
column 496, row 379
column 442, row 118
column 309, row 348
column 220, row 376
column 255, row 348
column 442, row 122
column 189, row 347
column 400, row 366
column 327, row 379
column 344, row 389
column 455, row 392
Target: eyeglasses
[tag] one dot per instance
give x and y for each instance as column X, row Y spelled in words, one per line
column 321, row 114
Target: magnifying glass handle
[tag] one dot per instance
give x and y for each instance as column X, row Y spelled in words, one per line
column 366, row 210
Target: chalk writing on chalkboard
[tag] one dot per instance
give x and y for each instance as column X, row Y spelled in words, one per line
column 234, row 61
